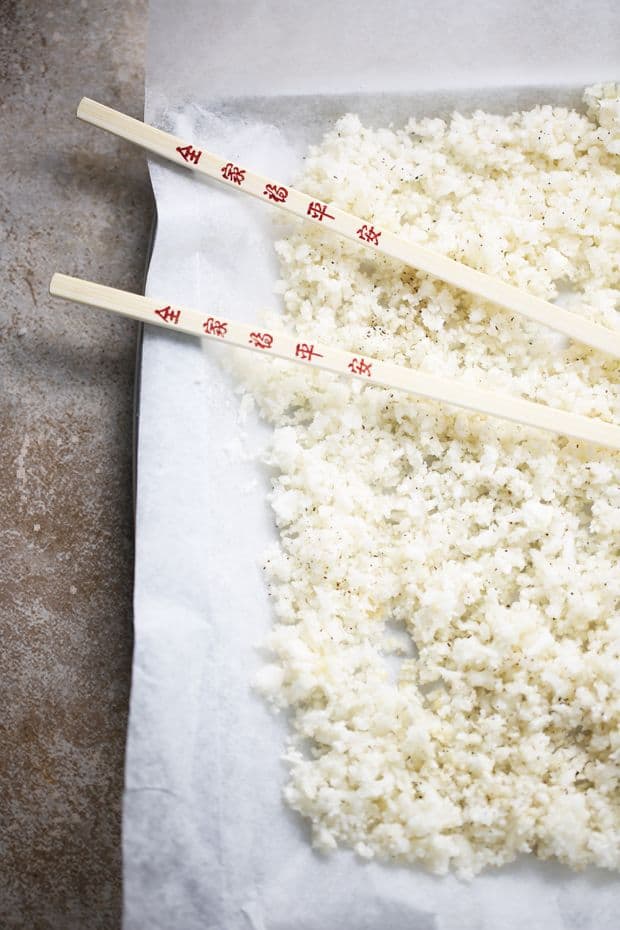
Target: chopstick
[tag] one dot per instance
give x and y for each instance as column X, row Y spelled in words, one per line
column 351, row 227
column 354, row 364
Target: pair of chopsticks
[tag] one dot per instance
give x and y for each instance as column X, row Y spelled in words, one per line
column 313, row 354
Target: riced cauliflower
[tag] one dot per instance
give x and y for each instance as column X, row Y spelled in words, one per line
column 446, row 585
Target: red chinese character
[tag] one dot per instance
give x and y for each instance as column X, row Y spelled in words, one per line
column 261, row 340
column 305, row 351
column 273, row 192
column 233, row 173
column 318, row 211
column 369, row 234
column 360, row 366
column 168, row 315
column 213, row 327
column 188, row 153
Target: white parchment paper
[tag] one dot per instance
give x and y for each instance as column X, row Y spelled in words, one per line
column 208, row 842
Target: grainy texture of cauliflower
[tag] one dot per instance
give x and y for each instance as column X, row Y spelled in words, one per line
column 480, row 555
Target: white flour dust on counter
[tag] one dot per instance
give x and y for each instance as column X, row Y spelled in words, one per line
column 446, row 586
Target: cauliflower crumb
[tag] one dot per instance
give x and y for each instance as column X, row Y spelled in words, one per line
column 493, row 548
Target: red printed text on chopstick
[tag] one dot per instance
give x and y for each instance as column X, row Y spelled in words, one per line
column 318, row 211
column 261, row 340
column 168, row 315
column 368, row 234
column 213, row 327
column 359, row 366
column 188, row 153
column 306, row 352
column 273, row 192
column 233, row 173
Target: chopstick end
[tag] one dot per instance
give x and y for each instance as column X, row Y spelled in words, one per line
column 56, row 285
column 83, row 107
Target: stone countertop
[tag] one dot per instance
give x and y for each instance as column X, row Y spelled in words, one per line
column 76, row 200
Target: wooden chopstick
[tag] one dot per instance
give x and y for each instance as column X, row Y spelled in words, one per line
column 315, row 355
column 352, row 227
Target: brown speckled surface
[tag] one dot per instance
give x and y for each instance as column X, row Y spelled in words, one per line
column 72, row 199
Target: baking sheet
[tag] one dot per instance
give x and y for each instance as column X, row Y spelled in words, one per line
column 207, row 841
